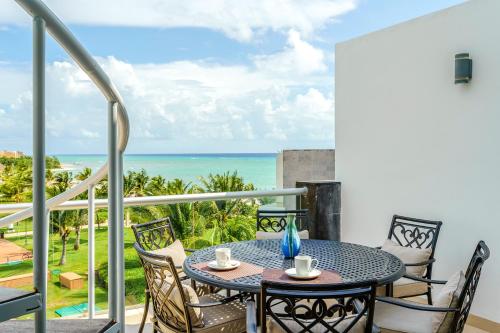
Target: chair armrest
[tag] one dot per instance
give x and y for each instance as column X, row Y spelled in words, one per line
column 221, row 302
column 189, row 250
column 180, row 269
column 251, row 317
column 413, row 305
column 421, row 279
column 423, row 263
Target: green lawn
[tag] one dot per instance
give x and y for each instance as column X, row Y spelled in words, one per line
column 76, row 261
column 22, row 226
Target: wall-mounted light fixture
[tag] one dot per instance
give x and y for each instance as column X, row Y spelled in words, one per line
column 463, row 68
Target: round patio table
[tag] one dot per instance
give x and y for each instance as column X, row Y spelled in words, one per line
column 354, row 263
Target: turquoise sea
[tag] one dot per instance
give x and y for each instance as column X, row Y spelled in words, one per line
column 259, row 169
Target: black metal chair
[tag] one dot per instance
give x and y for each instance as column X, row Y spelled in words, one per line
column 176, row 306
column 152, row 236
column 313, row 308
column 275, row 220
column 419, row 234
column 456, row 315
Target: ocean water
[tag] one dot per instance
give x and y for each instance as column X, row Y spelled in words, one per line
column 259, row 169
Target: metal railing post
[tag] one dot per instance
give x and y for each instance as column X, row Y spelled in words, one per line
column 40, row 226
column 120, row 255
column 112, row 212
column 91, row 260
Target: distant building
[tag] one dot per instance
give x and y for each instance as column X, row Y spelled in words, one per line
column 11, row 154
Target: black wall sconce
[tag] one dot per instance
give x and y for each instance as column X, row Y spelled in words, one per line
column 463, row 68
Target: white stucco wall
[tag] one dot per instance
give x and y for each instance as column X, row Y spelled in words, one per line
column 409, row 141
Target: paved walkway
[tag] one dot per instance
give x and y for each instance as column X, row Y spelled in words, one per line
column 10, row 251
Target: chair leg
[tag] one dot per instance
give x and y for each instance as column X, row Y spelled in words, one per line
column 228, row 293
column 145, row 314
column 429, row 295
column 388, row 290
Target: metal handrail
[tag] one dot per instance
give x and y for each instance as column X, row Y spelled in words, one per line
column 163, row 199
column 87, row 63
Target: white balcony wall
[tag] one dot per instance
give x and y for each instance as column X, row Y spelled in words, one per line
column 409, row 141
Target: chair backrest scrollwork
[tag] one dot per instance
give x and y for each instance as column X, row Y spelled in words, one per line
column 154, row 235
column 415, row 233
column 327, row 308
column 275, row 220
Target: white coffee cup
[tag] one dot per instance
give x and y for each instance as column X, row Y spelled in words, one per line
column 223, row 256
column 304, row 265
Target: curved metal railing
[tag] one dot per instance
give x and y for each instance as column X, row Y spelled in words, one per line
column 87, row 63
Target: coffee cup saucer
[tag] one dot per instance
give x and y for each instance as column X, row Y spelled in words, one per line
column 292, row 272
column 232, row 265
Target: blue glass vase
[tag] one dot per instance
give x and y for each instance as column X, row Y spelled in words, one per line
column 290, row 244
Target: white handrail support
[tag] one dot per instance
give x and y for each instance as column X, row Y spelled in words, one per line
column 91, row 244
column 163, row 199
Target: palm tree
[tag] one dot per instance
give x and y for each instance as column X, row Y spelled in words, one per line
column 221, row 212
column 62, row 220
column 16, row 183
column 141, row 183
column 101, row 189
column 84, row 174
column 61, row 182
column 182, row 215
column 81, row 217
column 101, row 216
column 135, row 183
column 157, row 186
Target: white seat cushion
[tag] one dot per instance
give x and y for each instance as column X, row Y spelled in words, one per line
column 447, row 297
column 230, row 317
column 398, row 319
column 409, row 255
column 175, row 251
column 260, row 235
column 166, row 286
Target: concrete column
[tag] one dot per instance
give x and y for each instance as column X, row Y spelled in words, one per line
column 323, row 202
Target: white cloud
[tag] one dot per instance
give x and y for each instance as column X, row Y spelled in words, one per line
column 238, row 19
column 89, row 134
column 183, row 106
column 299, row 57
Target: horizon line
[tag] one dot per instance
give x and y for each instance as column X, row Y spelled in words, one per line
column 145, row 154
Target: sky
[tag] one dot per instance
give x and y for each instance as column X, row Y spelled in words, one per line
column 213, row 76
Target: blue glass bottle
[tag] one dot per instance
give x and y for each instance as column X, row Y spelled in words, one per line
column 290, row 244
